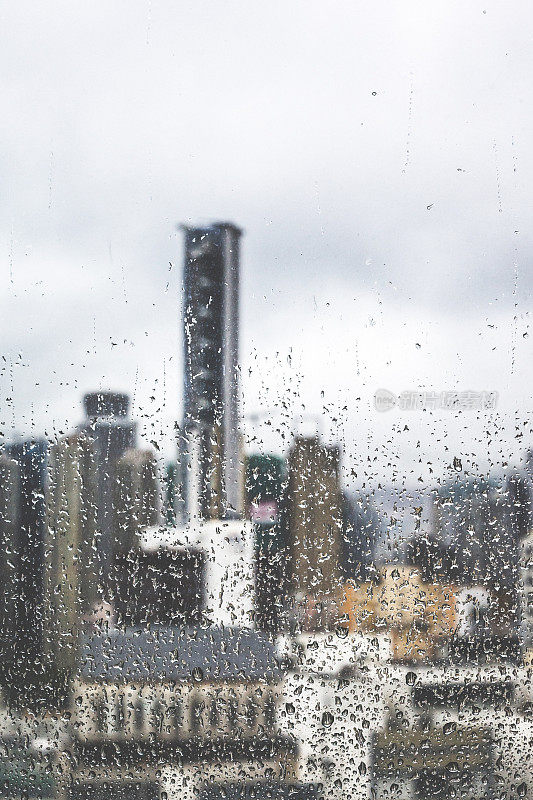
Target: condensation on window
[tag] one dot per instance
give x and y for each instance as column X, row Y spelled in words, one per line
column 266, row 455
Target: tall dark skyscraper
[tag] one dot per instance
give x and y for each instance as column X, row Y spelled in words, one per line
column 211, row 457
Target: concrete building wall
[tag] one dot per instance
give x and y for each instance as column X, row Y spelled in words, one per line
column 526, row 593
column 314, row 517
column 71, row 555
column 9, row 554
column 136, row 498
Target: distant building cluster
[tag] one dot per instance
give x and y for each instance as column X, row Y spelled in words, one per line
column 225, row 630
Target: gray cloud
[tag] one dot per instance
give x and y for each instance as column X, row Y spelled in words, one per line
column 378, row 159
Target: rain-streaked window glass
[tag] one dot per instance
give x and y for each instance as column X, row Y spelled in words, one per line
column 266, row 453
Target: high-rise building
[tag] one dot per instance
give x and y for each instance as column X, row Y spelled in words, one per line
column 136, row 498
column 211, row 447
column 314, row 510
column 27, row 555
column 102, row 491
column 361, row 529
column 73, row 584
column 22, row 487
column 112, row 433
column 171, row 491
column 265, row 488
column 526, row 595
column 474, row 537
column 9, row 493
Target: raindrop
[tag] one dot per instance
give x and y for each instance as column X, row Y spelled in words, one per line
column 327, row 719
column 450, row 727
column 410, row 678
column 198, row 674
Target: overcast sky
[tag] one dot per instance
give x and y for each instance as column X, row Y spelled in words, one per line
column 378, row 156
